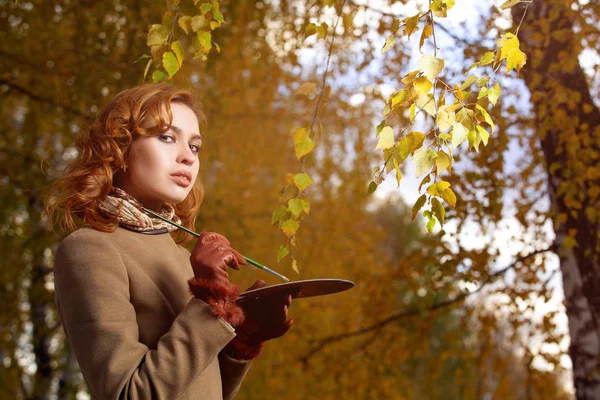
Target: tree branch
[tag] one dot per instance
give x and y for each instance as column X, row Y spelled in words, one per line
column 21, row 89
column 416, row 311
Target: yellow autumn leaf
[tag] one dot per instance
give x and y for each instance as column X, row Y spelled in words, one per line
column 445, row 119
column 459, row 134
column 438, row 210
column 431, row 66
column 307, row 89
column 425, row 102
column 483, row 134
column 487, row 117
column 436, row 189
column 303, row 144
column 389, row 42
column 494, row 94
column 449, row 196
column 507, row 43
column 427, row 31
column 412, row 24
column 386, row 138
column 422, row 85
column 442, row 162
column 423, row 161
column 516, row 60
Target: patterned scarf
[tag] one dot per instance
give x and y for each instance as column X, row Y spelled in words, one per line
column 129, row 212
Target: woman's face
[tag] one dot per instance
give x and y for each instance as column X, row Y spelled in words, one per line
column 156, row 165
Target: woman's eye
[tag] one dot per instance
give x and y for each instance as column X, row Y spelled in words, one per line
column 195, row 148
column 165, row 138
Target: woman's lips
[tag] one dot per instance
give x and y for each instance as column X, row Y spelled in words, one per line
column 181, row 180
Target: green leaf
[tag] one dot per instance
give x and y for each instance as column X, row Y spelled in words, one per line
column 380, row 127
column 303, row 144
column 473, row 139
column 178, row 50
column 142, row 57
column 295, row 267
column 386, row 138
column 297, row 206
column 418, row 205
column 217, row 16
column 389, row 42
column 158, row 35
column 170, row 63
column 482, row 93
column 282, row 253
column 487, row 59
column 509, row 3
column 204, row 41
column 205, row 7
column 430, row 224
column 438, row 210
column 278, row 213
column 159, row 76
column 431, row 66
column 372, row 187
column 290, row 227
column 302, row 181
column 449, row 197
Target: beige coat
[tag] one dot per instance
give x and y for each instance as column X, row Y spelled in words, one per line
column 135, row 329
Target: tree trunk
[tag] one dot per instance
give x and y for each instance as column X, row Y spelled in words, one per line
column 40, row 299
column 568, row 126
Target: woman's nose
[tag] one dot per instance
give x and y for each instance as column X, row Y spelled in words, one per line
column 186, row 155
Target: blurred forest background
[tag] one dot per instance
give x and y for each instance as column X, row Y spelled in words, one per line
column 472, row 312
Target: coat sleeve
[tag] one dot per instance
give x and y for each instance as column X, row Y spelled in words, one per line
column 233, row 371
column 92, row 294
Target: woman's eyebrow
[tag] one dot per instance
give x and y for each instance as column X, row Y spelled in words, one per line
column 179, row 131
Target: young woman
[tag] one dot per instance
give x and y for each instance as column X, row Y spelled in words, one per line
column 146, row 318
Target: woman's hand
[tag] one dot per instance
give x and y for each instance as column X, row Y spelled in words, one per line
column 211, row 257
column 265, row 318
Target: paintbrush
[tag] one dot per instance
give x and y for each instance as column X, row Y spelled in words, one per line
column 255, row 263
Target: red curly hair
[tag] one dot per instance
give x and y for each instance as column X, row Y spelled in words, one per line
column 73, row 199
